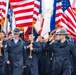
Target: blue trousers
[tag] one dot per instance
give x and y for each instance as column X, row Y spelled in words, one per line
column 2, row 69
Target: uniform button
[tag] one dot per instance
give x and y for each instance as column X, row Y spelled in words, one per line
column 50, row 58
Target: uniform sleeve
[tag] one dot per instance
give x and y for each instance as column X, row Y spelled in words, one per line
column 37, row 48
column 73, row 51
column 48, row 46
column 26, row 48
column 6, row 52
column 24, row 53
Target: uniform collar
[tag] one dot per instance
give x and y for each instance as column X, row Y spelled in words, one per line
column 63, row 44
column 14, row 39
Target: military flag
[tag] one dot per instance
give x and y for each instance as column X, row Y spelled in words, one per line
column 52, row 18
column 47, row 11
column 10, row 19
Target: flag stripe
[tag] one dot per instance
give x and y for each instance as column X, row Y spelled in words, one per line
column 68, row 29
column 58, row 12
column 23, row 17
column 72, row 18
column 21, row 2
column 36, row 10
column 23, row 5
column 64, row 21
column 23, row 14
column 24, row 24
column 24, row 21
column 23, row 11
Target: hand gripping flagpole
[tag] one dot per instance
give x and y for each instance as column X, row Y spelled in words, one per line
column 34, row 21
column 30, row 56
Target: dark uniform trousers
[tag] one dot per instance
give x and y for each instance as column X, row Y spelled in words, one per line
column 27, row 70
column 2, row 61
column 73, row 64
column 2, row 69
column 7, row 69
column 45, row 61
column 6, row 66
column 16, row 70
column 62, row 56
column 2, row 65
column 33, row 62
column 14, row 53
column 33, row 67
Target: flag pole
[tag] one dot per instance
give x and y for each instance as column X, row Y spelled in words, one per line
column 32, row 31
column 30, row 56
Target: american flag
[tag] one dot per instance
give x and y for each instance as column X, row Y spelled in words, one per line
column 65, row 16
column 24, row 12
column 68, row 19
column 37, row 5
column 3, row 8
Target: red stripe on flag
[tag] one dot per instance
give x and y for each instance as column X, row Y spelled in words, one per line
column 23, row 17
column 58, row 13
column 22, row 11
column 3, row 3
column 36, row 10
column 62, row 20
column 58, row 7
column 24, row 24
column 4, row 11
column 23, row 5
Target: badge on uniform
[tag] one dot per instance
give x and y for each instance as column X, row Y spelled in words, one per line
column 6, row 46
column 24, row 47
